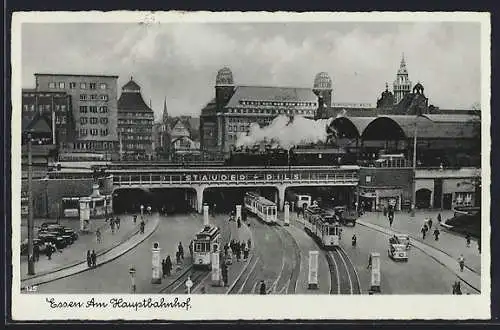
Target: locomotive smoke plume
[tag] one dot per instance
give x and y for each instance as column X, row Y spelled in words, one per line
column 285, row 132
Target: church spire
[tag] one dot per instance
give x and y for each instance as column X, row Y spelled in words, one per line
column 402, row 84
column 165, row 112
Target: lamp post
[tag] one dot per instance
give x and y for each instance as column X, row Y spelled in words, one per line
column 31, row 261
column 414, row 181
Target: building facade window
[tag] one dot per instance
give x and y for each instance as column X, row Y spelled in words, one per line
column 83, row 120
column 93, row 109
column 62, row 85
column 83, row 97
column 104, row 97
column 104, row 120
column 94, row 131
column 83, row 132
column 93, row 97
column 93, row 120
column 72, row 85
column 52, row 85
column 104, row 132
column 103, row 86
column 83, row 109
column 83, row 85
column 92, row 85
column 103, row 109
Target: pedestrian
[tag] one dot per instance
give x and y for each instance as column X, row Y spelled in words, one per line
column 436, row 234
column 94, row 258
column 439, row 218
column 461, row 262
column 49, row 250
column 135, row 218
column 177, row 258
column 391, row 219
column 89, row 259
column 424, row 231
column 467, row 240
column 262, row 289
column 238, row 252
column 98, row 235
column 430, row 223
column 143, row 224
column 36, row 252
column 353, row 239
column 191, row 249
column 181, row 250
column 369, row 262
column 112, row 225
column 224, row 275
column 149, row 210
column 226, row 247
column 168, row 265
column 249, row 243
column 245, row 253
column 215, row 208
column 163, row 268
column 118, row 223
column 239, row 222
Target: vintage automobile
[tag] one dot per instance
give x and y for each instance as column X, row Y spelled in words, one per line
column 36, row 242
column 72, row 233
column 345, row 216
column 397, row 251
column 404, row 239
column 48, row 237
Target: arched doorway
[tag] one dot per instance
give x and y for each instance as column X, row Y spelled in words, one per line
column 423, row 198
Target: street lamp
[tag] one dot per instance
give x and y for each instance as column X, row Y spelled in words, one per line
column 414, row 181
column 31, row 229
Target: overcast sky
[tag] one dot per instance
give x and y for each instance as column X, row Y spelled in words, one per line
column 180, row 61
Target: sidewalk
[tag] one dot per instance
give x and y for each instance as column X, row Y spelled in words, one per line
column 236, row 270
column 306, row 244
column 72, row 260
column 449, row 243
column 471, row 278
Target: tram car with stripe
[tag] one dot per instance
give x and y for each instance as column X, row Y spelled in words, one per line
column 203, row 244
column 261, row 207
column 323, row 226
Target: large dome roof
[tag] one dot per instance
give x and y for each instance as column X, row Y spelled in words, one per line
column 224, row 77
column 322, row 81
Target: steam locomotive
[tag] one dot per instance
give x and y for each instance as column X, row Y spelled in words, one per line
column 268, row 155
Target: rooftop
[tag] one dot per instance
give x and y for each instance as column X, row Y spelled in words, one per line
column 269, row 93
column 75, row 75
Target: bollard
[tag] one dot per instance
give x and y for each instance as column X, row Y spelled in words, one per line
column 375, row 275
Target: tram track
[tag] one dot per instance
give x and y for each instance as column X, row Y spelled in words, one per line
column 177, row 286
column 291, row 284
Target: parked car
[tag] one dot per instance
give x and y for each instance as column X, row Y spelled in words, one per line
column 48, row 237
column 46, row 224
column 71, row 232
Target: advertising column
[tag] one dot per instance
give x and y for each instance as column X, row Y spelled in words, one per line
column 287, row 214
column 238, row 212
column 313, row 269
column 206, row 221
column 215, row 264
column 375, row 276
column 156, row 275
column 85, row 214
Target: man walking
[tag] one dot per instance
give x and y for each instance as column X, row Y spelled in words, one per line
column 143, row 224
column 436, row 234
column 89, row 259
column 461, row 262
column 191, row 249
column 98, row 235
column 467, row 240
column 94, row 259
column 262, row 287
column 181, row 251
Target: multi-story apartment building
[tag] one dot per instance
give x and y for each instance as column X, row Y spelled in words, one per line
column 55, row 109
column 135, row 123
column 94, row 107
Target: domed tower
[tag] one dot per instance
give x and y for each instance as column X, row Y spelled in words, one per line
column 224, row 87
column 323, row 87
column 402, row 85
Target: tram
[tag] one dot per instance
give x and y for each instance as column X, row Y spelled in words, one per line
column 203, row 245
column 263, row 208
column 323, row 226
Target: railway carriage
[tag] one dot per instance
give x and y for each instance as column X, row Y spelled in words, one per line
column 263, row 208
column 323, row 226
column 203, row 243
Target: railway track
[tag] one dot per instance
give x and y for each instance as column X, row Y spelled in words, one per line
column 291, row 284
column 177, row 286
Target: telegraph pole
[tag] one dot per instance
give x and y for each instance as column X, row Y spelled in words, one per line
column 31, row 260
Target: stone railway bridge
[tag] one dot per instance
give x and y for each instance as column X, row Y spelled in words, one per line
column 198, row 180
